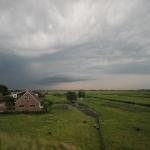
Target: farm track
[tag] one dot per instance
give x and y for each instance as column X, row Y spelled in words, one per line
column 89, row 112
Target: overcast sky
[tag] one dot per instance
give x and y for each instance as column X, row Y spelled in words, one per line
column 75, row 44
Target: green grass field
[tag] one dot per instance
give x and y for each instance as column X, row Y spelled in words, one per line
column 140, row 97
column 62, row 129
column 56, row 97
column 124, row 126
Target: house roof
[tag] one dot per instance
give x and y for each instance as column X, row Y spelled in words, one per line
column 32, row 93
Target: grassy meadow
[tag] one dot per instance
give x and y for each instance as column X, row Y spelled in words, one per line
column 56, row 97
column 61, row 129
column 125, row 124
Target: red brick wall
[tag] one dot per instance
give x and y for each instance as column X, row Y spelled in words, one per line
column 27, row 103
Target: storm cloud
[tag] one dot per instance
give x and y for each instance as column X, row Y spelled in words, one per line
column 75, row 44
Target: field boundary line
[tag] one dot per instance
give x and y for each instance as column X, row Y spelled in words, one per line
column 121, row 101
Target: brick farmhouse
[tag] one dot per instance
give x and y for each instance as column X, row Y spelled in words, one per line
column 27, row 101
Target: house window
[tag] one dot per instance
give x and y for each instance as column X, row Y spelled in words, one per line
column 32, row 105
column 21, row 105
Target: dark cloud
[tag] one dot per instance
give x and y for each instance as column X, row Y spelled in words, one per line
column 51, row 42
column 15, row 71
column 54, row 80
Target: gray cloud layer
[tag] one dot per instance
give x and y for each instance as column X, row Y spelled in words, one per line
column 50, row 42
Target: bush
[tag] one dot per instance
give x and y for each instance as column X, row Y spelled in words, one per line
column 47, row 104
column 10, row 103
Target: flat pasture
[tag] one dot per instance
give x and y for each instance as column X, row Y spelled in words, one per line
column 64, row 128
column 124, row 126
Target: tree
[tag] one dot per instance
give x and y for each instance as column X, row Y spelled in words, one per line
column 47, row 104
column 71, row 96
column 81, row 94
column 10, row 103
column 4, row 90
